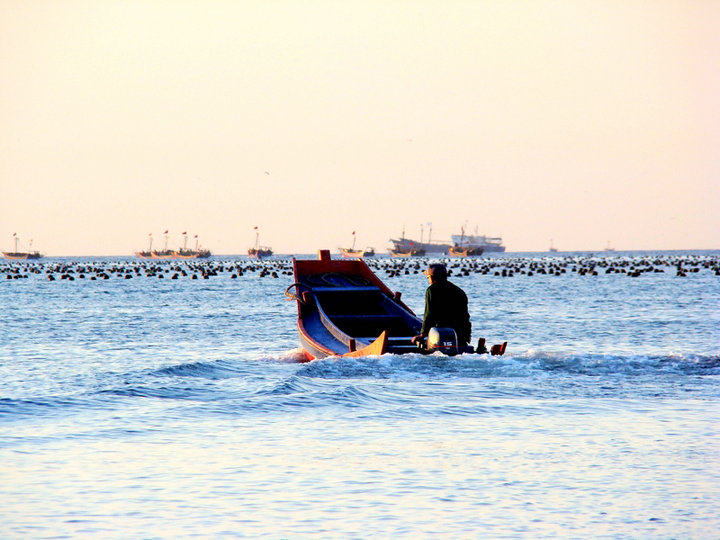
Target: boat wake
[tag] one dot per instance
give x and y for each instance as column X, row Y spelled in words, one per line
column 295, row 356
column 237, row 387
column 220, row 369
column 526, row 365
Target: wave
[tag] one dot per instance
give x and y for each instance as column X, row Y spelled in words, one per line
column 395, row 383
column 40, row 406
column 220, row 369
column 525, row 365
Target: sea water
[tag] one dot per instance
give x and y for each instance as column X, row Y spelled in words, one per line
column 139, row 406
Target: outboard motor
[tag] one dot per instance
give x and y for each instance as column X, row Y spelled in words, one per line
column 443, row 340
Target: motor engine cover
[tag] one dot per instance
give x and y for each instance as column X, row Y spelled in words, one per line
column 444, row 340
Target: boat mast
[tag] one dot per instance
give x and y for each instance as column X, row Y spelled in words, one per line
column 354, row 238
column 166, row 240
column 196, row 242
column 150, row 245
column 184, row 240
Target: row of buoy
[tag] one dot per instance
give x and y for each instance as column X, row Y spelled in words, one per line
column 71, row 271
column 631, row 266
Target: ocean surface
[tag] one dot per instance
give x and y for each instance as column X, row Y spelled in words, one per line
column 143, row 399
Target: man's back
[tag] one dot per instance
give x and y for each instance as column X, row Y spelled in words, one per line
column 446, row 305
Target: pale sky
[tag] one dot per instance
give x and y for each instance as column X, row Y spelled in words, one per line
column 580, row 122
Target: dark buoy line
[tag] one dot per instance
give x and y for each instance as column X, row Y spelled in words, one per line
column 634, row 266
column 174, row 270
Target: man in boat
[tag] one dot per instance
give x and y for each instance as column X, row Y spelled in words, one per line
column 446, row 306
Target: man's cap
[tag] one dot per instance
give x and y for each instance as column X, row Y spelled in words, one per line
column 436, row 270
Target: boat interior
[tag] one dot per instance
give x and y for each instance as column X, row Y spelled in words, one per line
column 364, row 312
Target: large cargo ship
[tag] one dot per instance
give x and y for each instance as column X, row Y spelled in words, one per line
column 489, row 244
column 406, row 247
column 472, row 242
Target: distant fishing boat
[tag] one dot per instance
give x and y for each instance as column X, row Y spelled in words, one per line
column 404, row 254
column 21, row 255
column 458, row 251
column 197, row 253
column 182, row 253
column 357, row 253
column 259, row 252
column 552, row 249
column 164, row 253
column 147, row 254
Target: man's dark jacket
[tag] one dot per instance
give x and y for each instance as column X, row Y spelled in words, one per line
column 446, row 306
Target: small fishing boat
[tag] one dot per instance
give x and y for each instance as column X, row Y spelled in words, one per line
column 357, row 253
column 259, row 252
column 352, row 253
column 458, row 251
column 404, row 254
column 344, row 309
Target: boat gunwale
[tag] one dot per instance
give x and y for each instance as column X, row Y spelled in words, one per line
column 304, row 268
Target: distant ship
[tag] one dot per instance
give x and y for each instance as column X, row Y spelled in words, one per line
column 397, row 253
column 552, row 248
column 182, row 253
column 489, row 244
column 460, row 245
column 357, row 253
column 164, row 253
column 197, row 253
column 259, row 252
column 353, row 253
column 457, row 251
column 21, row 255
column 406, row 247
column 463, row 248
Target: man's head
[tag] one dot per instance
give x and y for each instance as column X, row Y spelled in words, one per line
column 436, row 272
